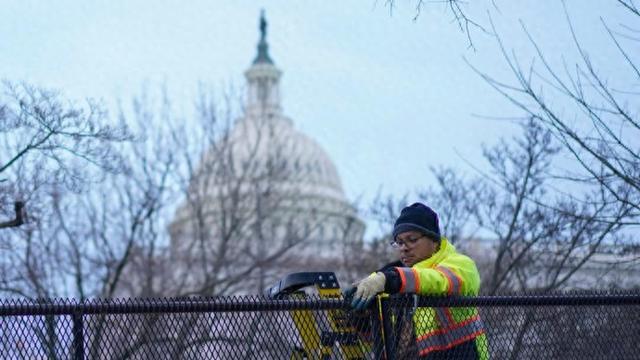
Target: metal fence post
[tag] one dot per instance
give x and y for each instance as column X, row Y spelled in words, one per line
column 382, row 329
column 387, row 326
column 78, row 335
column 377, row 337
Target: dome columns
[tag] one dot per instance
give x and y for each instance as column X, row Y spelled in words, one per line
column 263, row 92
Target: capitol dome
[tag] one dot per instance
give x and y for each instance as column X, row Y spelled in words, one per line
column 275, row 143
column 265, row 190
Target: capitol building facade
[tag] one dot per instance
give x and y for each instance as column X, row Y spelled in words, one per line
column 265, row 200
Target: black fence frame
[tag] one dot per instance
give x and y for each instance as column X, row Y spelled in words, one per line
column 78, row 309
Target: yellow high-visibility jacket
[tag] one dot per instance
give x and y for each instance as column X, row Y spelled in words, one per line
column 446, row 272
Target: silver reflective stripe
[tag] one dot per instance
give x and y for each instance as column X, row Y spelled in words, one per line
column 410, row 282
column 444, row 339
column 443, row 318
column 454, row 281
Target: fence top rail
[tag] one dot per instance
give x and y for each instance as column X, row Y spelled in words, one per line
column 531, row 300
column 19, row 307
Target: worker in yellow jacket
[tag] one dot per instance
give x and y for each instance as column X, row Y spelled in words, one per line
column 430, row 265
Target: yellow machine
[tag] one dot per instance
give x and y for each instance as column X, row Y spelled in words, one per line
column 323, row 334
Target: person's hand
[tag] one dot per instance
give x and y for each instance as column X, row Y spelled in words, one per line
column 366, row 289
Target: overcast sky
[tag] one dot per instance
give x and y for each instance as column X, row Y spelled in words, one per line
column 386, row 96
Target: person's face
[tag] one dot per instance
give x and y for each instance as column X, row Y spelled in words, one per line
column 414, row 247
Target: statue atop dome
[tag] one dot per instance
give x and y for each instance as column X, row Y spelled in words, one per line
column 263, row 47
column 263, row 25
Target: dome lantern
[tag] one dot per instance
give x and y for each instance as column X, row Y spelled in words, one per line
column 263, row 79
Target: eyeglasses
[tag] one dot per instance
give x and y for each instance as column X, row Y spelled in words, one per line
column 407, row 242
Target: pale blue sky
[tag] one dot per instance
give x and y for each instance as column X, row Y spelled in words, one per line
column 387, row 97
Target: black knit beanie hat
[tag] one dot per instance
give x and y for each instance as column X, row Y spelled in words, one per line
column 418, row 217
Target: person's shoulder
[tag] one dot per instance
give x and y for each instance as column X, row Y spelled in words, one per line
column 391, row 265
column 459, row 258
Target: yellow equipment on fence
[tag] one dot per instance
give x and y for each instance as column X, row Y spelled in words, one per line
column 322, row 334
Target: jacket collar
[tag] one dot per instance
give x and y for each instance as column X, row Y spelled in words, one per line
column 446, row 248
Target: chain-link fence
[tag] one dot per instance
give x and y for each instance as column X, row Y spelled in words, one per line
column 570, row 326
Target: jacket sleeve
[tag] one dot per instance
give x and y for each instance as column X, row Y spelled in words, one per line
column 459, row 277
column 390, row 266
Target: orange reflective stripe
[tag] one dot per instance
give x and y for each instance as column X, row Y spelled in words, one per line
column 441, row 330
column 455, row 283
column 450, row 345
column 442, row 339
column 403, row 280
column 410, row 281
column 444, row 317
column 450, row 287
column 457, row 277
column 417, row 279
column 449, row 315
